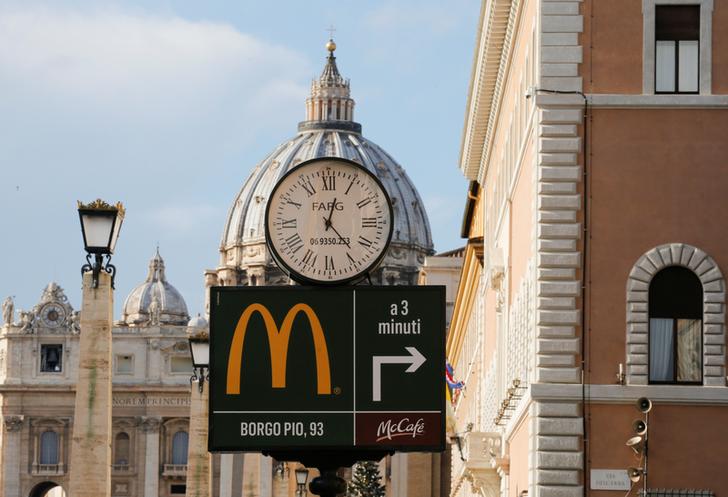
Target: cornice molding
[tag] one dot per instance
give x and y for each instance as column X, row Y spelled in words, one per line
column 619, row 394
column 606, row 101
column 485, row 81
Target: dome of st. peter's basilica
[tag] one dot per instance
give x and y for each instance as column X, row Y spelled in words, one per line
column 328, row 131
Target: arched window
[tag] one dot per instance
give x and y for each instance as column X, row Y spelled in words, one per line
column 676, row 326
column 49, row 447
column 121, row 448
column 179, row 447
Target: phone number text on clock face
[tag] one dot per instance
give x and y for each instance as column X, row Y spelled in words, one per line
column 344, row 240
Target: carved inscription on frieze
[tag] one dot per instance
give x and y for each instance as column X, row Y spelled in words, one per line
column 145, row 401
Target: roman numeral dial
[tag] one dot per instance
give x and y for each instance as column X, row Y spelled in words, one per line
column 328, row 221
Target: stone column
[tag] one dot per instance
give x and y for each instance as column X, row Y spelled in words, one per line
column 11, row 456
column 399, row 475
column 258, row 475
column 60, row 451
column 90, row 468
column 150, row 427
column 419, row 475
column 198, row 459
column 231, row 475
column 35, row 440
column 251, row 474
column 266, row 476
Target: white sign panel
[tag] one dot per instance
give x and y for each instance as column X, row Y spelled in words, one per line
column 609, row 479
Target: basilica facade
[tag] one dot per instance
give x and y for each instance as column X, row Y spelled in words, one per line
column 150, row 405
column 151, row 363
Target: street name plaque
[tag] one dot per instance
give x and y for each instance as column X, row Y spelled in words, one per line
column 345, row 368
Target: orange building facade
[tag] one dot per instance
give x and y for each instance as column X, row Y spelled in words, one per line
column 594, row 272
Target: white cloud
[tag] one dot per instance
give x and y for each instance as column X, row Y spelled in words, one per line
column 110, row 61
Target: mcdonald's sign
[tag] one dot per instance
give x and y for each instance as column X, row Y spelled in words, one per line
column 296, row 368
column 278, row 341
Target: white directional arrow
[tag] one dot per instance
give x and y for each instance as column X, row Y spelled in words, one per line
column 415, row 360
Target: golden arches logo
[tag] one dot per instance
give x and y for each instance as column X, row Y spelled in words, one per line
column 278, row 344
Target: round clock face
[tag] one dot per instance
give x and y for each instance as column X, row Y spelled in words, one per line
column 52, row 315
column 328, row 221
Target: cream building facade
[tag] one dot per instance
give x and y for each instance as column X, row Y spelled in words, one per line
column 593, row 274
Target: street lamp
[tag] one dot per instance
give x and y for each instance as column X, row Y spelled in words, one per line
column 89, row 475
column 301, row 479
column 100, row 225
column 200, row 353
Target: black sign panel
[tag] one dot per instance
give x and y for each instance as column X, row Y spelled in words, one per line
column 344, row 368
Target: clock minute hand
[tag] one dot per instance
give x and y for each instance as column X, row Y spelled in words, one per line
column 337, row 233
column 327, row 222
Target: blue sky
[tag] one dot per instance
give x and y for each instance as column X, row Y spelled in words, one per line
column 168, row 105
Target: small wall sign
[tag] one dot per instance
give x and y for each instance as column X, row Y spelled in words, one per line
column 609, row 479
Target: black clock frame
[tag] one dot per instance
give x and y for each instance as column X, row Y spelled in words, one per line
column 305, row 280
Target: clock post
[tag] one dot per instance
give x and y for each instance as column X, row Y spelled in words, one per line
column 329, row 222
column 341, row 372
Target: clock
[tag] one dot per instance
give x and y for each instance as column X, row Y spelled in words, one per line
column 328, row 221
column 52, row 315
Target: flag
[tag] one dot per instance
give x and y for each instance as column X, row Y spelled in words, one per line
column 453, row 387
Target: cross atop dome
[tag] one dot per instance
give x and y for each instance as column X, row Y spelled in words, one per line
column 330, row 104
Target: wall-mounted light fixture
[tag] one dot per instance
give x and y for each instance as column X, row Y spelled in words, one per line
column 513, row 394
column 621, row 377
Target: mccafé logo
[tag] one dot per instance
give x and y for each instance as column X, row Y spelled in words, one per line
column 389, row 429
column 278, row 342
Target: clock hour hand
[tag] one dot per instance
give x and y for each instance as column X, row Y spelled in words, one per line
column 327, row 222
column 329, row 225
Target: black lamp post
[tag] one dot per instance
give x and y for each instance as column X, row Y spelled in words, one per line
column 200, row 353
column 100, row 225
column 301, row 479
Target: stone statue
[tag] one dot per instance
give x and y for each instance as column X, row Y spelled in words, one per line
column 13, row 423
column 74, row 322
column 8, row 311
column 26, row 321
column 154, row 311
column 150, row 424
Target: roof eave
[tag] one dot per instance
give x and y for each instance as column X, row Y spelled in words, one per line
column 483, row 81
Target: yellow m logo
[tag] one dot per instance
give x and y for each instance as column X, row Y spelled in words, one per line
column 278, row 343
